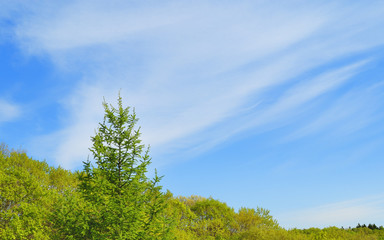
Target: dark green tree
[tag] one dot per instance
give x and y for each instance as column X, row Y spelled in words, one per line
column 121, row 201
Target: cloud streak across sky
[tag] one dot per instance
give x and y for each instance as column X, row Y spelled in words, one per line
column 201, row 73
column 191, row 66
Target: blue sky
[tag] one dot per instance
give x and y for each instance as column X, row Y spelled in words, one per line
column 255, row 103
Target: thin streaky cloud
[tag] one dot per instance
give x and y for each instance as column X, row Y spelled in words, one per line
column 351, row 113
column 307, row 90
column 275, row 115
column 190, row 69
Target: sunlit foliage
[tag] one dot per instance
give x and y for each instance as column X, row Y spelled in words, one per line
column 114, row 199
column 28, row 192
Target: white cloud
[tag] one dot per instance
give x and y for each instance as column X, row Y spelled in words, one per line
column 8, row 111
column 346, row 213
column 190, row 69
column 310, row 89
column 69, row 146
column 350, row 113
column 286, row 106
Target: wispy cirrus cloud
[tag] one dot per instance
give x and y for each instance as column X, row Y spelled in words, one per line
column 191, row 70
column 352, row 112
column 289, row 106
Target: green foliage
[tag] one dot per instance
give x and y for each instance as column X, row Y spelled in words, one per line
column 213, row 218
column 118, row 200
column 28, row 189
column 206, row 218
column 42, row 202
column 248, row 218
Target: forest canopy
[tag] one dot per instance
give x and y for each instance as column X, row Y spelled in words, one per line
column 113, row 198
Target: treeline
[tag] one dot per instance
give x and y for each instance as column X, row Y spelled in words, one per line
column 35, row 199
column 114, row 199
column 370, row 226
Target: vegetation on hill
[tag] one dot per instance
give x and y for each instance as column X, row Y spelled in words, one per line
column 114, row 199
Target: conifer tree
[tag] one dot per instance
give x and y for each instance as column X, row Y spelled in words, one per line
column 125, row 203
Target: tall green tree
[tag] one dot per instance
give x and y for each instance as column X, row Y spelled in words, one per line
column 123, row 202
